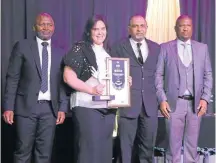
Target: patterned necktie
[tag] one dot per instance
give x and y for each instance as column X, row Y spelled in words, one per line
column 44, row 84
column 140, row 57
column 186, row 56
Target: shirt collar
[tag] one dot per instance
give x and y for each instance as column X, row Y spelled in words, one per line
column 188, row 42
column 135, row 42
column 39, row 41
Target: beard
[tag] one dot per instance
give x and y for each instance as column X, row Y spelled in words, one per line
column 139, row 37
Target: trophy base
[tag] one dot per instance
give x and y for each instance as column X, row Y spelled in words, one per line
column 103, row 98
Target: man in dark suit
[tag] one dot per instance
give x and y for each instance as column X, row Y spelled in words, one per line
column 141, row 117
column 35, row 100
column 183, row 81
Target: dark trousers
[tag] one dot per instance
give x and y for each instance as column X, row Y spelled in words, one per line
column 34, row 135
column 93, row 130
column 144, row 130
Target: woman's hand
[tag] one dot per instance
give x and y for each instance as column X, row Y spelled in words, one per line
column 98, row 89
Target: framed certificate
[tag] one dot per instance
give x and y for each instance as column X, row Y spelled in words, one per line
column 118, row 84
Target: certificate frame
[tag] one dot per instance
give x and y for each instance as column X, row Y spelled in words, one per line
column 118, row 83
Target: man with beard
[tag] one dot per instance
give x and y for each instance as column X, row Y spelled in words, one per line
column 35, row 100
column 141, row 118
column 183, row 81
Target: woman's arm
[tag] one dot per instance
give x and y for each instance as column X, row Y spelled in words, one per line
column 71, row 79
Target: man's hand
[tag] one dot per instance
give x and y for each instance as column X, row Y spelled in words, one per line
column 130, row 81
column 8, row 117
column 165, row 109
column 202, row 108
column 60, row 118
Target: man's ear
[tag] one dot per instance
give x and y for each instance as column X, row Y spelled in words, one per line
column 128, row 29
column 175, row 28
column 34, row 28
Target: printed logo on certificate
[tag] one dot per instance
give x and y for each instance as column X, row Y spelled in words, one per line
column 118, row 84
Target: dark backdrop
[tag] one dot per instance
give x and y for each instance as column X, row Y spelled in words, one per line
column 70, row 16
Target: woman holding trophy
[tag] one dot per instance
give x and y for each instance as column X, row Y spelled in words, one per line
column 85, row 73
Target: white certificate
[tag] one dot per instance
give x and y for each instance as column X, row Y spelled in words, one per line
column 118, row 84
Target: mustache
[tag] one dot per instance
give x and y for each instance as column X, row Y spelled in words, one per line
column 45, row 32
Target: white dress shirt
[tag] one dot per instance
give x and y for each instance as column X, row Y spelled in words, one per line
column 143, row 47
column 84, row 99
column 47, row 94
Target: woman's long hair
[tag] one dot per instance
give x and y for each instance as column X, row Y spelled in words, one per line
column 88, row 27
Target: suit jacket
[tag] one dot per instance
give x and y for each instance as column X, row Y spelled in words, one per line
column 24, row 79
column 142, row 91
column 167, row 73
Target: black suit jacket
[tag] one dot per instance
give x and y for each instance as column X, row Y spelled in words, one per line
column 142, row 89
column 24, row 79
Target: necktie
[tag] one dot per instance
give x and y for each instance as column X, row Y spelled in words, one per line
column 186, row 56
column 44, row 84
column 140, row 57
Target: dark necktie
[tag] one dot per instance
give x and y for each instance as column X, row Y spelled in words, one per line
column 140, row 57
column 44, row 69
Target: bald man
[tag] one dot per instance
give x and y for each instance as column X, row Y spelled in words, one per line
column 141, row 118
column 35, row 100
column 183, row 81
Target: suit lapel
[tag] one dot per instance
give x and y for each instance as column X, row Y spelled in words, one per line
column 127, row 46
column 150, row 50
column 174, row 53
column 35, row 53
column 53, row 61
column 195, row 62
column 194, row 58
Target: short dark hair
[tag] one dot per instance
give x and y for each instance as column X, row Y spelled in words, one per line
column 89, row 25
column 182, row 17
